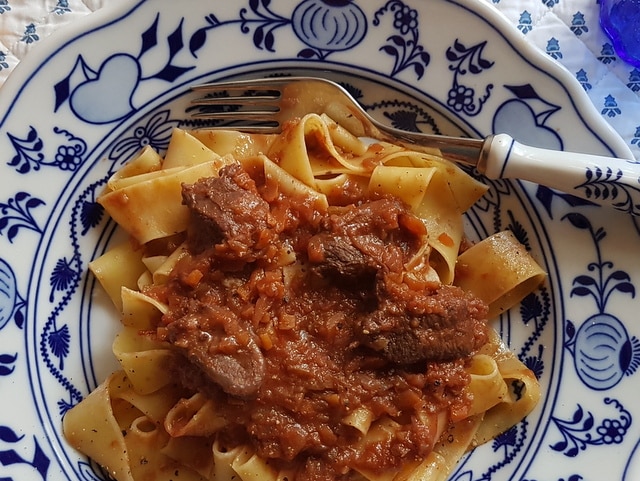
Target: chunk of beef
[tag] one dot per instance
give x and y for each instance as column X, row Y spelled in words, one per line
column 431, row 326
column 365, row 248
column 231, row 360
column 225, row 208
column 359, row 240
column 336, row 258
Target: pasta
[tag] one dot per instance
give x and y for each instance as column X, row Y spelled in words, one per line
column 301, row 306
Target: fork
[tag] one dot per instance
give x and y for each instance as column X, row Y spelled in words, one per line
column 265, row 105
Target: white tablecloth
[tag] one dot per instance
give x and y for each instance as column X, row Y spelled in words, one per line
column 567, row 30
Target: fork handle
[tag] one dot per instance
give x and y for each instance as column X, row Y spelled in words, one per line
column 602, row 180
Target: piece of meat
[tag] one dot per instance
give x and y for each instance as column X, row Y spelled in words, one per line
column 336, row 258
column 443, row 325
column 225, row 208
column 365, row 248
column 231, row 360
column 360, row 240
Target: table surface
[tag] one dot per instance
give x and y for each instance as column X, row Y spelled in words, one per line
column 566, row 30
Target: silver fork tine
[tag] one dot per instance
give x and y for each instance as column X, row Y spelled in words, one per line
column 238, row 100
column 249, row 128
column 249, row 105
column 238, row 92
column 258, row 84
column 246, row 115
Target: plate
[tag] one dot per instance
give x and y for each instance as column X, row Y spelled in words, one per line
column 90, row 97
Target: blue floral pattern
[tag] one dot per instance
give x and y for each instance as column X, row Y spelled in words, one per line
column 467, row 61
column 3, row 61
column 15, row 214
column 323, row 27
column 525, row 22
column 30, row 34
column 10, row 440
column 62, row 7
column 11, row 306
column 578, row 24
column 405, row 46
column 581, row 431
column 602, row 349
column 30, row 154
column 155, row 133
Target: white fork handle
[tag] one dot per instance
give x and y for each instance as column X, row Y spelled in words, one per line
column 602, row 180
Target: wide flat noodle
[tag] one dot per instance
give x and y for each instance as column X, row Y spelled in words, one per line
column 321, row 155
column 92, row 427
column 152, row 208
column 144, row 361
column 195, row 416
column 148, row 160
column 500, row 271
column 185, row 150
column 237, row 144
column 522, row 395
column 121, row 266
column 453, row 444
column 487, row 385
column 193, row 452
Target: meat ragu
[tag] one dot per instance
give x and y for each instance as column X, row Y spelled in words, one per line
column 294, row 317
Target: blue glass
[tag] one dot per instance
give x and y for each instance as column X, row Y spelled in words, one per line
column 620, row 19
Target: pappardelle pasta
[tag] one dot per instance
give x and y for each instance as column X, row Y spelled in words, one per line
column 301, row 306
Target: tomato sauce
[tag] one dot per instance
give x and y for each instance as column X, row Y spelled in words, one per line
column 294, row 318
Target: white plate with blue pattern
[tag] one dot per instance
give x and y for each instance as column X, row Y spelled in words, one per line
column 88, row 99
